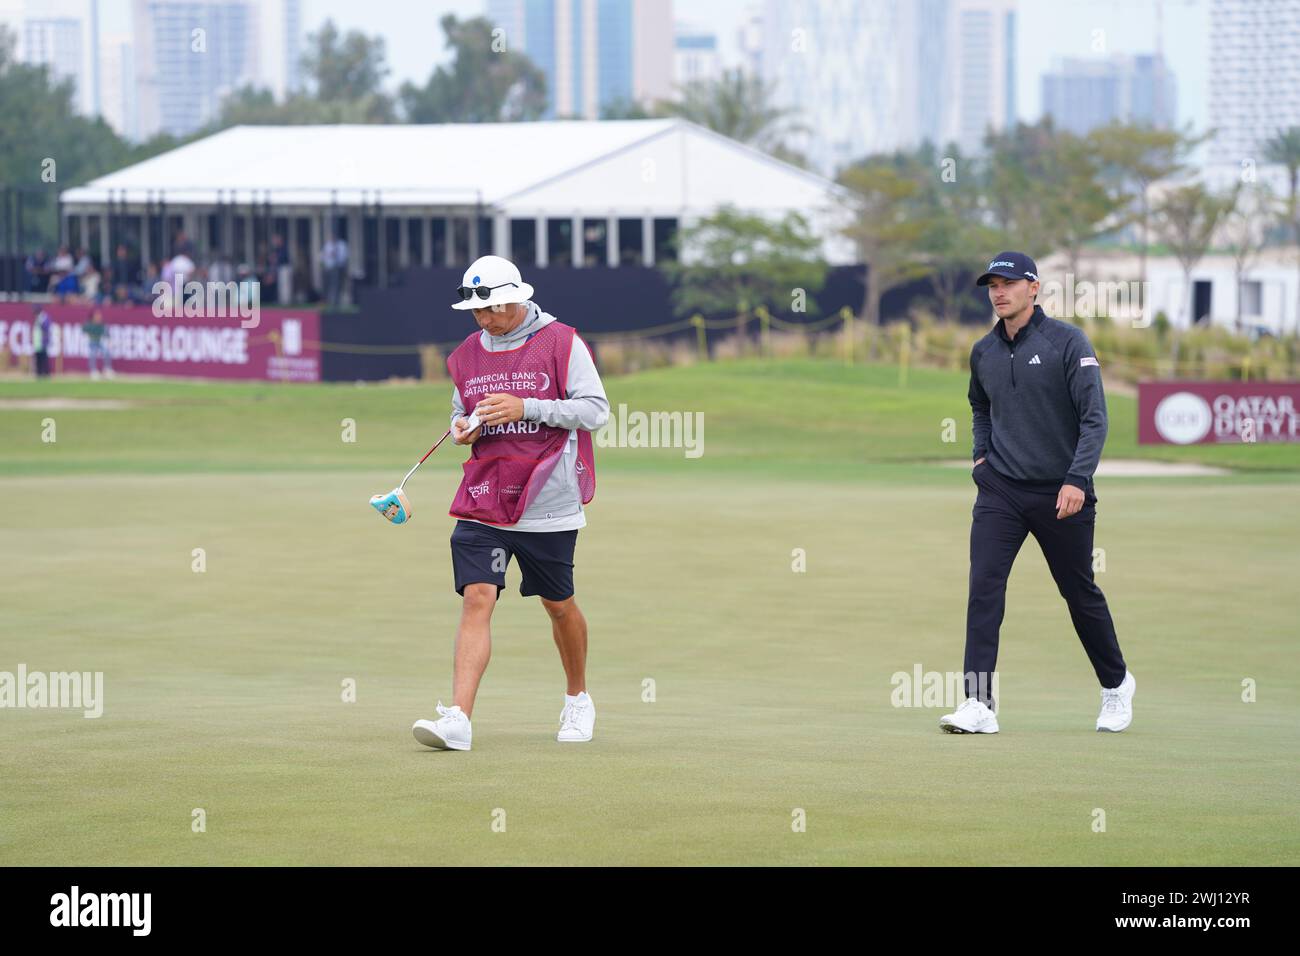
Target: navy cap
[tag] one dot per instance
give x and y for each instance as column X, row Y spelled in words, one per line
column 1010, row 265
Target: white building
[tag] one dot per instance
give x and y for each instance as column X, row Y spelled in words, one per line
column 583, row 194
column 1254, row 82
column 1268, row 294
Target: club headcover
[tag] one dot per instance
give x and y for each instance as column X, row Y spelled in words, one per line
column 393, row 506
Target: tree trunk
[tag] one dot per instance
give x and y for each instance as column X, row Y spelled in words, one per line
column 1142, row 251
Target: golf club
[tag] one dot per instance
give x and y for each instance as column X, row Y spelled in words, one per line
column 394, row 505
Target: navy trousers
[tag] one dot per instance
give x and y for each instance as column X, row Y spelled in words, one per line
column 1005, row 513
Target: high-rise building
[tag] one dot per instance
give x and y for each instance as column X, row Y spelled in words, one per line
column 835, row 66
column 695, row 55
column 1081, row 95
column 190, row 54
column 57, row 43
column 749, row 39
column 984, row 79
column 63, row 36
column 595, row 53
column 117, row 85
column 870, row 76
column 1254, row 82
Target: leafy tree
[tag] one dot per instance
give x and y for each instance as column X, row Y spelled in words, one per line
column 886, row 227
column 1021, row 182
column 250, row 106
column 1080, row 202
column 956, row 234
column 1132, row 157
column 485, row 82
column 734, row 261
column 1186, row 218
column 1244, row 230
column 45, row 147
column 344, row 67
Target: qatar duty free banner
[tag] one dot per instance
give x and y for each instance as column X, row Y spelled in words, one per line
column 1192, row 413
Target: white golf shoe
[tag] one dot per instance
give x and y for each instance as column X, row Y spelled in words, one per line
column 451, row 731
column 577, row 720
column 1117, row 705
column 972, row 717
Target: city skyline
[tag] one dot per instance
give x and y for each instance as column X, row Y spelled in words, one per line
column 1045, row 34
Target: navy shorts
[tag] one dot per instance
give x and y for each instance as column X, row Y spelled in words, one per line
column 480, row 554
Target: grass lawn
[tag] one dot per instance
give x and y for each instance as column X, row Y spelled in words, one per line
column 772, row 688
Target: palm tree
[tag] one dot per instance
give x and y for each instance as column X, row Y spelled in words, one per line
column 738, row 105
column 1284, row 149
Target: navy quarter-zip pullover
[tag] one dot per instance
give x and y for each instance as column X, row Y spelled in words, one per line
column 1038, row 408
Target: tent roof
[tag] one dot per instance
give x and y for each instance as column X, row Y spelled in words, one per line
column 561, row 167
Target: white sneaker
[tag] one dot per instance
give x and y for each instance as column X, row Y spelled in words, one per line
column 94, row 376
column 1117, row 705
column 577, row 720
column 451, row 731
column 972, row 717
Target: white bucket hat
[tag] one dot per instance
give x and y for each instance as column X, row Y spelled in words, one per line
column 499, row 276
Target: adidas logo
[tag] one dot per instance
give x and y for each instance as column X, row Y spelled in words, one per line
column 1035, row 361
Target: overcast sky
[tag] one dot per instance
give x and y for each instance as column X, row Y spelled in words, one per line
column 1048, row 29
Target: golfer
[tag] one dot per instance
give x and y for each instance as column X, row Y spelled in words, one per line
column 1039, row 422
column 533, row 384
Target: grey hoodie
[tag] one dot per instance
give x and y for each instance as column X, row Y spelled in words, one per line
column 558, row 506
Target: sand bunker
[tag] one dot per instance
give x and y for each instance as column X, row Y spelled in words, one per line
column 66, row 404
column 1138, row 468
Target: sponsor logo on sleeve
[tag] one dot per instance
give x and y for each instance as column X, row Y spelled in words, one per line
column 1088, row 360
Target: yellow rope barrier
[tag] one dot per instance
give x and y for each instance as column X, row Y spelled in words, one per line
column 916, row 348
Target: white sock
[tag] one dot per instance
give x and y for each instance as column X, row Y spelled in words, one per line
column 570, row 698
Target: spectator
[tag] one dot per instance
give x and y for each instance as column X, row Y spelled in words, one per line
column 280, row 271
column 180, row 265
column 88, row 278
column 124, row 276
column 334, row 260
column 248, row 286
column 154, row 276
column 63, row 277
column 37, row 272
column 41, row 332
column 96, row 329
column 221, row 270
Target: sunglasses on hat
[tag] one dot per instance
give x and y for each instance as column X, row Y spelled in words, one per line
column 482, row 291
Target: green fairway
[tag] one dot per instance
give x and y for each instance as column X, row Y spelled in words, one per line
column 772, row 688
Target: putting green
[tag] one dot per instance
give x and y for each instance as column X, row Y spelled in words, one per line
column 772, row 689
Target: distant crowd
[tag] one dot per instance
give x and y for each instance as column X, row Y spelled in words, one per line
column 78, row 276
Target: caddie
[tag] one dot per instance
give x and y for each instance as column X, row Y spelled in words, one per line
column 534, row 386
